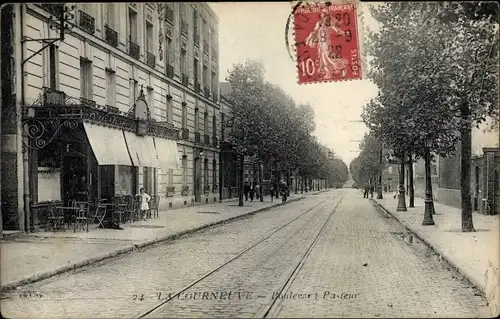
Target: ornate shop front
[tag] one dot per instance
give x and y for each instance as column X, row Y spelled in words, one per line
column 80, row 150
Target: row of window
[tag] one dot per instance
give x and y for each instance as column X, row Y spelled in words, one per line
column 110, row 34
column 205, row 173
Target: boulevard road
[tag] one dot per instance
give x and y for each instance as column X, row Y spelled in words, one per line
column 329, row 255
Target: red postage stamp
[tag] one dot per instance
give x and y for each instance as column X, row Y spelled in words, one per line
column 327, row 42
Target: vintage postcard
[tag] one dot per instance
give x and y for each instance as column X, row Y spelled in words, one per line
column 321, row 159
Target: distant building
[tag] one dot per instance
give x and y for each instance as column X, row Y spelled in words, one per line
column 485, row 182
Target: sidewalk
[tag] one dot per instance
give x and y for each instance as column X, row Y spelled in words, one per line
column 475, row 255
column 41, row 255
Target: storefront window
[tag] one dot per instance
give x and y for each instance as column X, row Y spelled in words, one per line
column 48, row 174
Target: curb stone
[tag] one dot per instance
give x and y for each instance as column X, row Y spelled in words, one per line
column 441, row 253
column 51, row 273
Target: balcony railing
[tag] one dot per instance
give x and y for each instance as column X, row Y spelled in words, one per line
column 184, row 28
column 196, row 39
column 134, row 50
column 111, row 36
column 169, row 14
column 197, row 137
column 88, row 102
column 87, row 22
column 185, row 191
column 185, row 80
column 185, row 134
column 112, row 109
column 215, row 141
column 170, row 191
column 53, row 8
column 151, row 60
column 170, row 71
column 207, row 139
column 207, row 92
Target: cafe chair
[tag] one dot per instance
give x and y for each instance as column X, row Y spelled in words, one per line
column 81, row 216
column 153, row 206
column 56, row 218
column 99, row 215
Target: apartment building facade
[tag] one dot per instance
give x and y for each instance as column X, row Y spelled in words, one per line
column 129, row 99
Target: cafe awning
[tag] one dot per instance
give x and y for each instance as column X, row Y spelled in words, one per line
column 168, row 154
column 141, row 150
column 108, row 145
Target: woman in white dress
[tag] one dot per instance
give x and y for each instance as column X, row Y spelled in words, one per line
column 145, row 198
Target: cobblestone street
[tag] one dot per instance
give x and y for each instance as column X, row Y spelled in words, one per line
column 359, row 266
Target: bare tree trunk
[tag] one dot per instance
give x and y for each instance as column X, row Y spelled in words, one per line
column 302, row 184
column 240, row 182
column 260, row 183
column 410, row 177
column 465, row 169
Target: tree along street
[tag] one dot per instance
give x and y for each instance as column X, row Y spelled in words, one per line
column 436, row 68
column 333, row 254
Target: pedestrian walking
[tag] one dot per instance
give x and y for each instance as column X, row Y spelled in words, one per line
column 372, row 189
column 271, row 192
column 246, row 190
column 145, row 198
column 367, row 189
column 252, row 191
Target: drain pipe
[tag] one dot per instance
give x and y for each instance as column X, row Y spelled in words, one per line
column 26, row 185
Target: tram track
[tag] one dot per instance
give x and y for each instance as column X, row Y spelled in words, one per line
column 259, row 242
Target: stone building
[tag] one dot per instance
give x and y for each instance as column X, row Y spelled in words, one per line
column 128, row 98
column 485, row 171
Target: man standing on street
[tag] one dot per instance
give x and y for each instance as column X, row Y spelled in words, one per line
column 367, row 188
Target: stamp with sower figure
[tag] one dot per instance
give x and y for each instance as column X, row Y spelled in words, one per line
column 327, row 42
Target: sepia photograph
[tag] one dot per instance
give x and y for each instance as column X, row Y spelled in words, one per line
column 304, row 159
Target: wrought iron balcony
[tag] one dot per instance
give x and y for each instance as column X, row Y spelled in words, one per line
column 111, row 36
column 185, row 134
column 197, row 137
column 185, row 190
column 215, row 141
column 112, row 109
column 134, row 50
column 207, row 139
column 87, row 22
column 170, row 191
column 185, row 79
column 170, row 71
column 207, row 92
column 54, row 9
column 197, row 86
column 215, row 98
column 169, row 14
column 151, row 60
column 206, row 188
column 184, row 28
column 88, row 102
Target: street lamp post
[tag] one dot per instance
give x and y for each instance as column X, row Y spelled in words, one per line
column 429, row 204
column 401, row 199
column 380, row 196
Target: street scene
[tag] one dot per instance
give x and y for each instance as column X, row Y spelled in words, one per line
column 305, row 159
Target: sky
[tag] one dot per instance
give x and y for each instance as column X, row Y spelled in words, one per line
column 253, row 30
